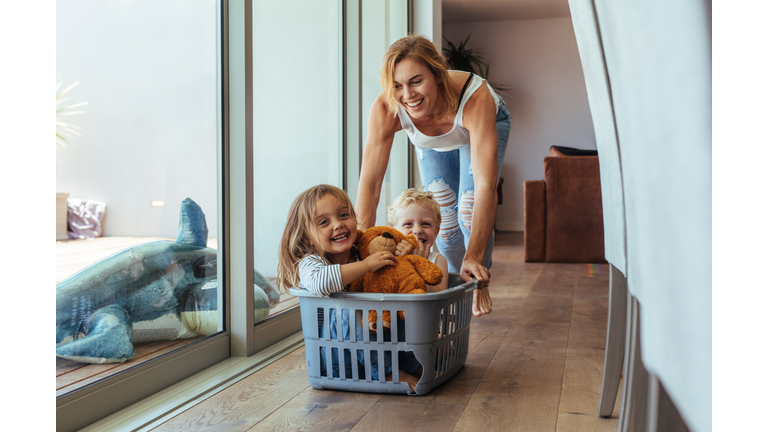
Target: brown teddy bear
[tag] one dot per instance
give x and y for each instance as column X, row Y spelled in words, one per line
column 409, row 275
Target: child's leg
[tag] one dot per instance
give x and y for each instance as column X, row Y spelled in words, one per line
column 406, row 378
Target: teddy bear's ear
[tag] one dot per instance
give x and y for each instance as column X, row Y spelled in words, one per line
column 359, row 238
column 412, row 240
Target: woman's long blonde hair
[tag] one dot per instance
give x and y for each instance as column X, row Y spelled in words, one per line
column 301, row 236
column 419, row 48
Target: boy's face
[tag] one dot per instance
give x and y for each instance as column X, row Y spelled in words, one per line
column 419, row 221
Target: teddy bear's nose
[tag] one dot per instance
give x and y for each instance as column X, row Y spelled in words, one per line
column 386, row 235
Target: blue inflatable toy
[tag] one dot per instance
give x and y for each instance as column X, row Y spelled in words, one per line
column 162, row 290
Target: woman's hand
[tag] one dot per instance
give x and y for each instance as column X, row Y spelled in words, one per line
column 379, row 259
column 481, row 300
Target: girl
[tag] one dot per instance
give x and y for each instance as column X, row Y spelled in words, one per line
column 317, row 253
column 317, row 250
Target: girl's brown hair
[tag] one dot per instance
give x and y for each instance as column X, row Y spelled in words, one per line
column 418, row 48
column 301, row 236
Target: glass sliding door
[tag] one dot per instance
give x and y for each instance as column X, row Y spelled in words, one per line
column 383, row 22
column 297, row 115
column 139, row 278
column 220, row 111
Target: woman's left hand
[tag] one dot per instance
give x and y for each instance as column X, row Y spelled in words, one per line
column 481, row 301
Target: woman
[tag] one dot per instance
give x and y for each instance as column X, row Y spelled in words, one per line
column 441, row 110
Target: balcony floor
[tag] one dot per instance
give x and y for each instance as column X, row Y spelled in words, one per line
column 534, row 364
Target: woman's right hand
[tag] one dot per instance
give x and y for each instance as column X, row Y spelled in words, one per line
column 379, row 259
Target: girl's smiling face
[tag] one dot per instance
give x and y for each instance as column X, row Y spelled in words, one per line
column 336, row 226
column 416, row 88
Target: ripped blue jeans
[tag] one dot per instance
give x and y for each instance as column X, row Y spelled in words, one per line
column 448, row 175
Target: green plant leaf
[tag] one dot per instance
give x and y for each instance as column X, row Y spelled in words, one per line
column 461, row 57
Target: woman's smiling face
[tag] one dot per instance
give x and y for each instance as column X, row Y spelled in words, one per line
column 416, row 88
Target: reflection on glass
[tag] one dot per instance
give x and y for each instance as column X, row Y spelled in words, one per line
column 297, row 115
column 147, row 284
column 163, row 290
column 158, row 291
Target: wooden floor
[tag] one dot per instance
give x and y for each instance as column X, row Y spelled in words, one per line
column 534, row 364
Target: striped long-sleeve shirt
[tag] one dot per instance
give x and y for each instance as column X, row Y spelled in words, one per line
column 319, row 277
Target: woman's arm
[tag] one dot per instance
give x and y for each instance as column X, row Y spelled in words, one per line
column 480, row 120
column 381, row 132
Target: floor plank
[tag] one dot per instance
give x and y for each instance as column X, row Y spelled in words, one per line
column 520, row 389
column 319, row 410
column 408, row 417
column 585, row 355
column 249, row 401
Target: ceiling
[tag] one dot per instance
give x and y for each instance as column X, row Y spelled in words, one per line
column 457, row 11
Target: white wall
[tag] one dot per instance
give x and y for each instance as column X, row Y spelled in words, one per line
column 540, row 61
column 148, row 71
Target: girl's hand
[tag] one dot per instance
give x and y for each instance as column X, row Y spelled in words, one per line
column 379, row 259
column 403, row 248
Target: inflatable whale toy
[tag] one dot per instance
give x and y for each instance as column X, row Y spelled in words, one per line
column 162, row 290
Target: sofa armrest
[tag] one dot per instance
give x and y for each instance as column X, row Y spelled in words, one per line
column 535, row 223
column 574, row 210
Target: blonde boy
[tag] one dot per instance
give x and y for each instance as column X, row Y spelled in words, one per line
column 416, row 212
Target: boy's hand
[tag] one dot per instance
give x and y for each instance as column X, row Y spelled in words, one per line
column 379, row 259
column 403, row 248
column 422, row 250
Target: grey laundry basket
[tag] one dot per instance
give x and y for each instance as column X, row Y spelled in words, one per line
column 436, row 331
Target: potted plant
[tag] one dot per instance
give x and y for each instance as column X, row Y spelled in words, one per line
column 461, row 57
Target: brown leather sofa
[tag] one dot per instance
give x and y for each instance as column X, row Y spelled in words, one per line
column 564, row 212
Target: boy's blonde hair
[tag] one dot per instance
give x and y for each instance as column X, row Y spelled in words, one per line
column 301, row 236
column 413, row 196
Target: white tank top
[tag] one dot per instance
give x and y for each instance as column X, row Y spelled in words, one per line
column 458, row 136
column 433, row 256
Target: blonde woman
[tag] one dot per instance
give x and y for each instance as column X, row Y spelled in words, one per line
column 459, row 127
